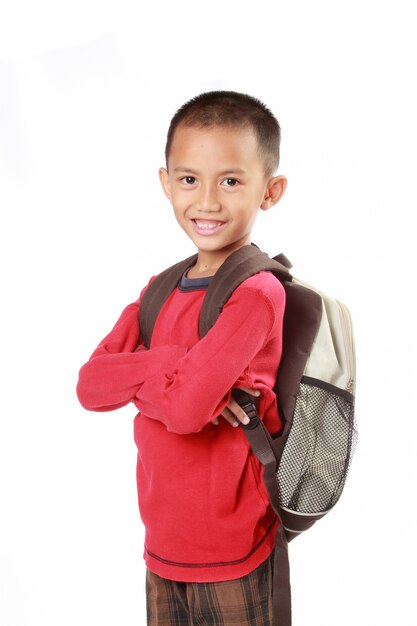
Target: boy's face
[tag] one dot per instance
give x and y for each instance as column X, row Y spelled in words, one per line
column 216, row 184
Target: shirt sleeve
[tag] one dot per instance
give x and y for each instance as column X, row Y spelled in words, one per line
column 118, row 367
column 198, row 387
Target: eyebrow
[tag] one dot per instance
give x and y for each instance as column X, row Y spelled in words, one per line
column 233, row 170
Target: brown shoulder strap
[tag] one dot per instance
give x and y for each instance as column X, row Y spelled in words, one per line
column 239, row 266
column 263, row 447
column 157, row 293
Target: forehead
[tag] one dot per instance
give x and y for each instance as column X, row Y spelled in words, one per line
column 217, row 145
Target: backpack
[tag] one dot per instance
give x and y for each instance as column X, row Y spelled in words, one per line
column 305, row 465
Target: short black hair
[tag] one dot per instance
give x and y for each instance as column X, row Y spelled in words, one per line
column 234, row 110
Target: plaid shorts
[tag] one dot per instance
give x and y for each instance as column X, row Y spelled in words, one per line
column 245, row 601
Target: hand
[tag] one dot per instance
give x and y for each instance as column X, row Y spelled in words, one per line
column 233, row 413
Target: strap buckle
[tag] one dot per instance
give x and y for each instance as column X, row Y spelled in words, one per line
column 246, row 403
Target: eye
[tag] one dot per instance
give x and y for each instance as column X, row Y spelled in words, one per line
column 188, row 180
column 230, row 182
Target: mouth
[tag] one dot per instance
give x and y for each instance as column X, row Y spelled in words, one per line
column 207, row 227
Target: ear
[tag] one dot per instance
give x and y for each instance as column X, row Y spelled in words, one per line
column 274, row 191
column 164, row 178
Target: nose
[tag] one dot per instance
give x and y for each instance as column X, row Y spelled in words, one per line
column 208, row 199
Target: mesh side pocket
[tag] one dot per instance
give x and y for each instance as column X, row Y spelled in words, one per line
column 319, row 449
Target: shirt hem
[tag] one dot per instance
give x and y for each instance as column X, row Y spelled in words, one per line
column 216, row 571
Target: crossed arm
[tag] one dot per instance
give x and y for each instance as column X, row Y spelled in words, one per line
column 185, row 389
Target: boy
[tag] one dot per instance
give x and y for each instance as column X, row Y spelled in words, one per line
column 210, row 529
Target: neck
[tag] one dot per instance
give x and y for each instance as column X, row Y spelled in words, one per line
column 202, row 270
column 209, row 262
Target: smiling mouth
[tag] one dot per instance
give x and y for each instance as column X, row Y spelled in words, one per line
column 207, row 224
column 205, row 228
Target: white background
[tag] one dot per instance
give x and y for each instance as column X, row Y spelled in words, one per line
column 87, row 90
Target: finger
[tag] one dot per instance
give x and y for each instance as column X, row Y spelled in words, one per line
column 230, row 417
column 215, row 421
column 237, row 411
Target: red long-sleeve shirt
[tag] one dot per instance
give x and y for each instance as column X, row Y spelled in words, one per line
column 201, row 498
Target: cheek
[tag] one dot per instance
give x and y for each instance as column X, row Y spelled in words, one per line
column 248, row 207
column 180, row 197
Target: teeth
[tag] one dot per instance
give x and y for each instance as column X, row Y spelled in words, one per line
column 207, row 225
